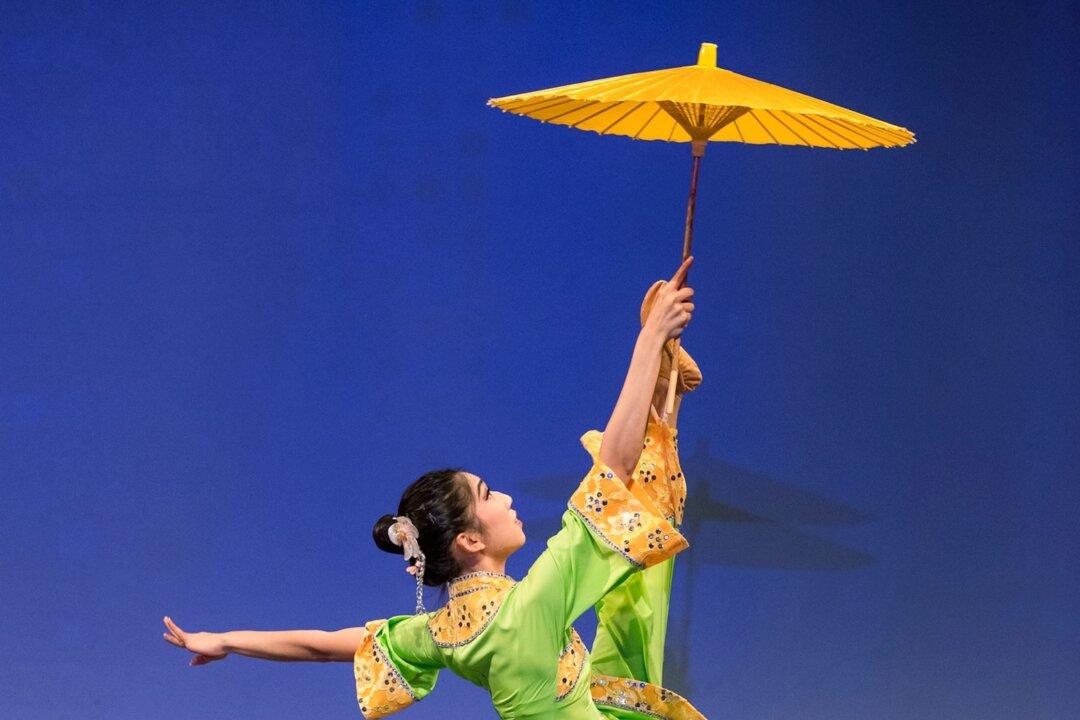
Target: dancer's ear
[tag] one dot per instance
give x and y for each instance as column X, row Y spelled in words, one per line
column 470, row 541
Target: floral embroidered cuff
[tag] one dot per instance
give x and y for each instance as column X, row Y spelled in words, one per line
column 659, row 472
column 380, row 688
column 641, row 697
column 571, row 663
column 619, row 518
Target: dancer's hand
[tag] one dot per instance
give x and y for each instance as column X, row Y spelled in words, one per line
column 672, row 310
column 206, row 646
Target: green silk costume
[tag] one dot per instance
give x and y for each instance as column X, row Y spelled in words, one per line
column 515, row 639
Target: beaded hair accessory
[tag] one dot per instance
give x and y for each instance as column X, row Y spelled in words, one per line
column 405, row 535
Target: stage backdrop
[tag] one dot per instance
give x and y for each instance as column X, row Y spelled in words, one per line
column 262, row 264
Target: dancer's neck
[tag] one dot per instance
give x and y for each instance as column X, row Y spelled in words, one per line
column 484, row 563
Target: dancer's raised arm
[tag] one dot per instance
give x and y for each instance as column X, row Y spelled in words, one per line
column 625, row 430
column 285, row 645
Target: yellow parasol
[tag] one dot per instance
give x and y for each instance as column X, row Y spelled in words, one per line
column 699, row 103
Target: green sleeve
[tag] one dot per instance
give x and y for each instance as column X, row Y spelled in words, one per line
column 395, row 665
column 607, row 534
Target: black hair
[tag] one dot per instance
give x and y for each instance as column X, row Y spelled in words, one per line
column 440, row 505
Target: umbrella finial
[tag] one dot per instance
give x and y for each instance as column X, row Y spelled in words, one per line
column 707, row 55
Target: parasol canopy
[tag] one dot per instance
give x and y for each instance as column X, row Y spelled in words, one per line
column 703, row 102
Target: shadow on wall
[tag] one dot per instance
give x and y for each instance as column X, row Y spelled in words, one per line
column 733, row 517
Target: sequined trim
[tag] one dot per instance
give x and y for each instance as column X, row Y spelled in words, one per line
column 475, row 600
column 571, row 662
column 604, row 503
column 641, row 697
column 471, row 582
column 659, row 473
column 380, row 688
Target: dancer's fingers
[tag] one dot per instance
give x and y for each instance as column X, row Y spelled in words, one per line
column 170, row 638
column 683, row 294
column 202, row 659
column 680, row 274
column 174, row 628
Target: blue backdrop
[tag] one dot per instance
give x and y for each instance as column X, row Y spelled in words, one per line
column 262, row 264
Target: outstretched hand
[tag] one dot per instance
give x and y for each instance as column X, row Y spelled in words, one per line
column 672, row 310
column 206, row 646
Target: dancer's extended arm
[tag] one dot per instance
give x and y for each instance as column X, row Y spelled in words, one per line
column 625, row 431
column 284, row 645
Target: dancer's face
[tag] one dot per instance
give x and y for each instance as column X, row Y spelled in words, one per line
column 501, row 530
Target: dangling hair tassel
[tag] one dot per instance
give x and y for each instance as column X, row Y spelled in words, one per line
column 419, row 573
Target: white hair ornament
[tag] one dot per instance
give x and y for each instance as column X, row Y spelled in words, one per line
column 405, row 535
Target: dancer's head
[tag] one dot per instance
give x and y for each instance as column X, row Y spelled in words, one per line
column 459, row 520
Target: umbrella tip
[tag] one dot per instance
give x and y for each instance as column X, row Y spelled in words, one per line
column 707, row 55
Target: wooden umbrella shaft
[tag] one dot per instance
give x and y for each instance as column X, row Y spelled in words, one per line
column 688, row 233
column 688, row 238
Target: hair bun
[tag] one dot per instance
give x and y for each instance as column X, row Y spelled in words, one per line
column 381, row 534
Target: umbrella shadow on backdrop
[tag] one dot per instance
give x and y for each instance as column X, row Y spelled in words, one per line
column 734, row 517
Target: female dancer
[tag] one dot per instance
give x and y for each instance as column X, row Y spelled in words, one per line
column 515, row 639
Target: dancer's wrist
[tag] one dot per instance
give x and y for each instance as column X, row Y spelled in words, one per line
column 651, row 336
column 228, row 641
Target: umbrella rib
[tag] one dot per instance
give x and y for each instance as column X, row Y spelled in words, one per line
column 735, row 123
column 830, row 109
column 786, row 127
column 734, row 112
column 673, row 110
column 867, row 132
column 856, row 130
column 621, row 84
column 816, row 119
column 532, row 105
column 647, row 122
column 753, row 115
column 796, row 119
column 571, row 110
column 888, row 134
column 599, row 112
column 561, row 101
column 623, row 117
column 639, row 84
column 881, row 137
column 906, row 137
column 646, row 83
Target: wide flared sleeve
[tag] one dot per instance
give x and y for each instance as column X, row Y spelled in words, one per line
column 629, row 522
column 395, row 665
column 608, row 532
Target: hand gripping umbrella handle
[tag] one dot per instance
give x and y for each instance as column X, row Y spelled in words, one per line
column 698, row 149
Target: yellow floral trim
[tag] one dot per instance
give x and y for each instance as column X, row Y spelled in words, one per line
column 660, row 474
column 571, row 662
column 474, row 600
column 658, row 479
column 619, row 518
column 380, row 688
column 641, row 697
